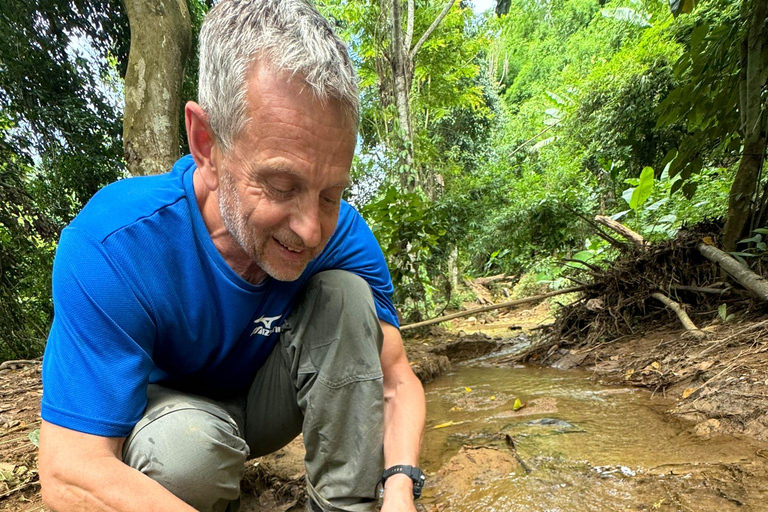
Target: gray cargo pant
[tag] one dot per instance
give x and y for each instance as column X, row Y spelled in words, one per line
column 323, row 379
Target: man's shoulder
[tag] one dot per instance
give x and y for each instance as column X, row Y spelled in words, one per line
column 129, row 201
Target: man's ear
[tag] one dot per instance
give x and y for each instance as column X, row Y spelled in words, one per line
column 202, row 143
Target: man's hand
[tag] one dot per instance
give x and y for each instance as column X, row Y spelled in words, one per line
column 398, row 495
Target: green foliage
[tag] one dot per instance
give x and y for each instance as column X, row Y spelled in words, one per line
column 60, row 126
column 706, row 98
column 660, row 213
column 408, row 231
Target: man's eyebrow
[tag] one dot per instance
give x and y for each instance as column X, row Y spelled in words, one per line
column 276, row 170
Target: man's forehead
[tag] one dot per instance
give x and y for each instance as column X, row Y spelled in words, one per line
column 280, row 170
column 268, row 87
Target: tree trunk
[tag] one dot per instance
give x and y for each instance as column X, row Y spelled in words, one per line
column 161, row 34
column 752, row 81
column 401, row 84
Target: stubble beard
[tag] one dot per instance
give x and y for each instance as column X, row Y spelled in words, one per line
column 255, row 244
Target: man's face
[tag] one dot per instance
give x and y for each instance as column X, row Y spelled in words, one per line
column 280, row 186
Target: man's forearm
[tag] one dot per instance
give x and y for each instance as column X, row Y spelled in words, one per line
column 404, row 414
column 107, row 485
column 81, row 472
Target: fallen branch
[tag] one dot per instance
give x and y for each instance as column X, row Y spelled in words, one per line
column 743, row 275
column 681, row 314
column 19, row 362
column 700, row 289
column 483, row 309
column 621, row 229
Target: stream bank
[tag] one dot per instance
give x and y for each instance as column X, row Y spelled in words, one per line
column 666, row 362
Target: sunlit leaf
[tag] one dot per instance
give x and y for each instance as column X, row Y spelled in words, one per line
column 643, row 190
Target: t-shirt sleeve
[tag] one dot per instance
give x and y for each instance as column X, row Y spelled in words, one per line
column 97, row 360
column 354, row 248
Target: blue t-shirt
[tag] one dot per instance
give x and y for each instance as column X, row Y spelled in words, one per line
column 141, row 295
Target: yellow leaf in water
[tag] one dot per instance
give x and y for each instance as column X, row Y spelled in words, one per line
column 688, row 392
column 518, row 405
column 467, row 389
column 443, row 425
column 493, row 397
column 629, row 373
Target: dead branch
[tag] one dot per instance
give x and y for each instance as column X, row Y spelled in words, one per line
column 743, row 275
column 681, row 314
column 483, row 309
column 580, row 262
column 700, row 289
column 621, row 229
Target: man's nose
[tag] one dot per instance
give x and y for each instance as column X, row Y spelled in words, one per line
column 306, row 223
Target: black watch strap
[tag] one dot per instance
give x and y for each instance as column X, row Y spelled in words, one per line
column 414, row 473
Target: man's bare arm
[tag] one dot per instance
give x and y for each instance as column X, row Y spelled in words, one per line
column 82, row 472
column 404, row 415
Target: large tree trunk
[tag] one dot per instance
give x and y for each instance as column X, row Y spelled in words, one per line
column 161, row 34
column 752, row 82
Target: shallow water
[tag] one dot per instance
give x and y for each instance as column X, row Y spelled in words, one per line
column 586, row 447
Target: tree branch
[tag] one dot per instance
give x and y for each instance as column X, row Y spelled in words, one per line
column 431, row 29
column 409, row 27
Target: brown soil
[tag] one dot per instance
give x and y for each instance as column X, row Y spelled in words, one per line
column 720, row 383
column 272, row 483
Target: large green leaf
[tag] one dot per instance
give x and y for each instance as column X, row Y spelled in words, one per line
column 643, row 190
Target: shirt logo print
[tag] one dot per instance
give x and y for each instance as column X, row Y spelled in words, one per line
column 266, row 328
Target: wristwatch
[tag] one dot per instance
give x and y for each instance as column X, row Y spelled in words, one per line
column 414, row 473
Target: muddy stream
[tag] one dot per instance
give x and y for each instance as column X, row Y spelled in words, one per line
column 575, row 445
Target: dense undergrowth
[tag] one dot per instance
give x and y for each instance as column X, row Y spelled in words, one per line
column 527, row 122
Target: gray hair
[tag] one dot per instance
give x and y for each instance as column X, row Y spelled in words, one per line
column 289, row 35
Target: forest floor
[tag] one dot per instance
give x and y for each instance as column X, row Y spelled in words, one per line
column 720, row 386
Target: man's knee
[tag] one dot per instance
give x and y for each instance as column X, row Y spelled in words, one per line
column 342, row 292
column 192, row 453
